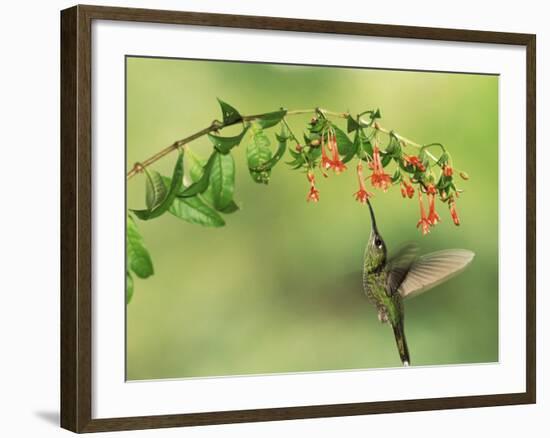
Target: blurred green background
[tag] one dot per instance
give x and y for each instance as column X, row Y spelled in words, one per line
column 270, row 292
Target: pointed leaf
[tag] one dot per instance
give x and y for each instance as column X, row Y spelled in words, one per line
column 354, row 148
column 195, row 165
column 352, row 124
column 258, row 153
column 155, row 191
column 222, row 180
column 343, row 141
column 443, row 159
column 229, row 113
column 386, row 159
column 281, row 149
column 129, row 287
column 232, row 207
column 367, row 147
column 195, row 211
column 271, row 119
column 202, row 184
column 225, row 144
column 175, row 186
column 139, row 259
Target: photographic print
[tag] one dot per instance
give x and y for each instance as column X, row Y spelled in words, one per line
column 307, row 218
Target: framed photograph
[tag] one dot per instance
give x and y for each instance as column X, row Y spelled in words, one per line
column 268, row 219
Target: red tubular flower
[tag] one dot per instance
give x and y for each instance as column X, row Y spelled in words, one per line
column 336, row 163
column 407, row 190
column 362, row 195
column 447, row 170
column 423, row 222
column 326, row 162
column 313, row 194
column 433, row 217
column 379, row 178
column 415, row 162
column 454, row 214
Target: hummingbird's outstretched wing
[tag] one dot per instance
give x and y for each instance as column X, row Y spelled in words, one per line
column 399, row 265
column 432, row 269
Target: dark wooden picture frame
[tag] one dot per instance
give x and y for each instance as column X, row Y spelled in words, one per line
column 76, row 218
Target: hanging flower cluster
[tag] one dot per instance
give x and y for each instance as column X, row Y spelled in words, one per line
column 205, row 195
column 419, row 170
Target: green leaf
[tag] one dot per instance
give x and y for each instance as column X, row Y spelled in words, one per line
column 195, row 165
column 232, row 207
column 229, row 113
column 139, row 259
column 386, row 159
column 313, row 154
column 352, row 124
column 396, row 176
column 343, row 141
column 129, row 287
column 258, row 153
column 443, row 159
column 298, row 162
column 155, row 191
column 195, row 211
column 271, row 119
column 394, row 147
column 319, row 126
column 354, row 148
column 444, row 182
column 281, row 149
column 222, row 180
column 367, row 147
column 225, row 144
column 175, row 186
column 423, row 157
column 202, row 184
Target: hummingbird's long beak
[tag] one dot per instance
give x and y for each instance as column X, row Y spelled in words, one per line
column 372, row 218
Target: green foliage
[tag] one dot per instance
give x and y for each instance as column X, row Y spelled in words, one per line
column 352, row 124
column 345, row 146
column 164, row 205
column 138, row 258
column 210, row 192
column 202, row 183
column 155, row 191
column 195, row 211
column 258, row 153
column 279, row 153
column 222, row 180
column 129, row 287
column 271, row 119
column 225, row 144
column 230, row 115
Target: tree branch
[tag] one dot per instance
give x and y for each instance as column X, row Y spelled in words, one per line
column 217, row 126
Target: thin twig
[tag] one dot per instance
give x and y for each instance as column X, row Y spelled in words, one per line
column 217, row 126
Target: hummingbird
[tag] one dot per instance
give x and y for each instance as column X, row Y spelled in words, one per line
column 387, row 282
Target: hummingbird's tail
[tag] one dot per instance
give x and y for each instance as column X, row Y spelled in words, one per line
column 399, row 333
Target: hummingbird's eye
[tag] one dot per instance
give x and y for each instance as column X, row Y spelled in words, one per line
column 378, row 243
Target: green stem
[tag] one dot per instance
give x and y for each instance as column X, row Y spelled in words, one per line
column 217, row 126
